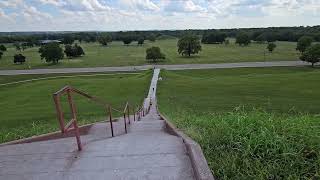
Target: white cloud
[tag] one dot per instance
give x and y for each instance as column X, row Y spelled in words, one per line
column 53, row 2
column 32, row 14
column 140, row 4
column 10, row 3
column 155, row 14
column 190, row 6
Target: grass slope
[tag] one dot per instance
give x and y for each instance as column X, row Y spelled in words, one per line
column 252, row 123
column 116, row 54
column 27, row 109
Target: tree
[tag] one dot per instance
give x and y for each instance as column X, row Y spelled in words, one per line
column 3, row 48
column 1, row 53
column 127, row 39
column 303, row 43
column 68, row 39
column 154, row 54
column 78, row 50
column 73, row 51
column 243, row 39
column 311, row 54
column 140, row 41
column 227, row 42
column 152, row 37
column 19, row 58
column 104, row 39
column 17, row 46
column 271, row 46
column 51, row 52
column 189, row 44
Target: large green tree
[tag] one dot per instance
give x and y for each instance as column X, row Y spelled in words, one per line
column 311, row 54
column 51, row 52
column 243, row 39
column 73, row 51
column 19, row 58
column 189, row 44
column 3, row 48
column 271, row 46
column 303, row 43
column 154, row 54
column 140, row 41
column 105, row 39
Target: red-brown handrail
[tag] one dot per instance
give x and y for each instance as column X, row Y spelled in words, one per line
column 74, row 121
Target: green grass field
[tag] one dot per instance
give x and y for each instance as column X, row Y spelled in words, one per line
column 119, row 55
column 27, row 108
column 252, row 123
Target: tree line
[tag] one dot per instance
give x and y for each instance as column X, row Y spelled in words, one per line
column 255, row 34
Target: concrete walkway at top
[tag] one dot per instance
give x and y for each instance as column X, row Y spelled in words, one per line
column 145, row 67
column 146, row 152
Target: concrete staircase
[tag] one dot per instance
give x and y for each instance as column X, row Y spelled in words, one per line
column 146, row 152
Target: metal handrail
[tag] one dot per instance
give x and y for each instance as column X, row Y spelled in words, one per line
column 69, row 90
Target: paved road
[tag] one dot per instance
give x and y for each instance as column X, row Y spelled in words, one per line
column 146, row 152
column 145, row 67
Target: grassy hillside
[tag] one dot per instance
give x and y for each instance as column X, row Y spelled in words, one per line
column 27, row 108
column 252, row 123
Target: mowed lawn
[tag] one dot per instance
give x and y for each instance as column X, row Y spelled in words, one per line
column 27, row 108
column 116, row 54
column 252, row 123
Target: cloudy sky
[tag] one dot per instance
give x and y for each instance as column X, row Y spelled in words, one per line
column 114, row 15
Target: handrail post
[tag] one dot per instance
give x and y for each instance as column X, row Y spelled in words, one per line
column 57, row 102
column 125, row 122
column 74, row 117
column 110, row 119
column 76, row 128
column 134, row 115
column 128, row 111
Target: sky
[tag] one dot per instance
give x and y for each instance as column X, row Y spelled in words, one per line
column 116, row 15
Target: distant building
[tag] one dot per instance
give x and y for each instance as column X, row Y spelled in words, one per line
column 43, row 42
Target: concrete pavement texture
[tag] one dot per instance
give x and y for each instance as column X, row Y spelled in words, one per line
column 146, row 67
column 146, row 152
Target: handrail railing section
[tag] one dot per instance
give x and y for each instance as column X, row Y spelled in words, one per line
column 73, row 124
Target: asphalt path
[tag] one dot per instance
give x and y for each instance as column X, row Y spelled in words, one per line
column 146, row 67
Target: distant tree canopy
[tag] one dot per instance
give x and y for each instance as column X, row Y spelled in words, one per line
column 68, row 39
column 189, row 44
column 265, row 37
column 3, row 48
column 73, row 51
column 51, row 52
column 19, row 58
column 152, row 37
column 154, row 54
column 213, row 38
column 243, row 39
column 105, row 39
column 271, row 46
column 311, row 54
column 303, row 43
column 141, row 41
